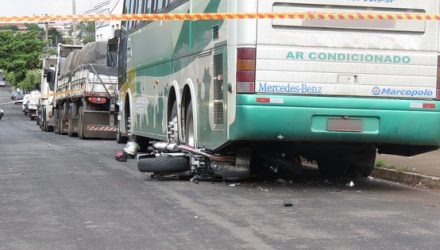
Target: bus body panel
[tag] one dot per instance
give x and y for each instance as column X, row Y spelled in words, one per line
column 162, row 55
column 381, row 75
column 390, row 59
column 305, row 119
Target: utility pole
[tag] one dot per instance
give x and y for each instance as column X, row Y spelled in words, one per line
column 74, row 28
column 74, row 7
column 46, row 33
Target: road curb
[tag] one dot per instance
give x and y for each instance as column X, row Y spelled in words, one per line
column 408, row 178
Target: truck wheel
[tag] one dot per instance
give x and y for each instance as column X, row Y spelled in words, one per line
column 57, row 122
column 70, row 125
column 80, row 123
column 119, row 137
column 43, row 123
column 60, row 121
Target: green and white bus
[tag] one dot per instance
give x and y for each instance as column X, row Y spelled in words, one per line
column 235, row 91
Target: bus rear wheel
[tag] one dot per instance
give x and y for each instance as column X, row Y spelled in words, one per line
column 189, row 125
column 333, row 167
column 362, row 162
column 120, row 139
column 351, row 164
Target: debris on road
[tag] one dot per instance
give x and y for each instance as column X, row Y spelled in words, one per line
column 350, row 184
column 131, row 149
column 195, row 179
column 234, row 185
column 281, row 181
column 263, row 189
column 287, row 204
column 121, row 156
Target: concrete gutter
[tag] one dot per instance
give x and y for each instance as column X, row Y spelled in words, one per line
column 408, row 178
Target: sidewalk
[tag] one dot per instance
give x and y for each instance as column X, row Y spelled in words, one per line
column 420, row 170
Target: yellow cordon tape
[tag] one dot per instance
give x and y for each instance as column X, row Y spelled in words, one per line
column 225, row 16
column 62, row 93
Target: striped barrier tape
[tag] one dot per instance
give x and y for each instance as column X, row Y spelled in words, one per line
column 224, row 16
column 101, row 128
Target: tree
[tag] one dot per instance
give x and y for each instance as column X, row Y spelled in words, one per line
column 20, row 52
column 9, row 27
column 86, row 32
column 55, row 37
column 31, row 81
column 33, row 27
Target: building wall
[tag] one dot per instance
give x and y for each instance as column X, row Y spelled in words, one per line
column 105, row 29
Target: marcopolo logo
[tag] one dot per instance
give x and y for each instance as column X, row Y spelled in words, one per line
column 377, row 91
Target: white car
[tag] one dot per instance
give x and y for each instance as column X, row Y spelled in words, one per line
column 1, row 113
column 25, row 103
column 32, row 104
column 2, row 81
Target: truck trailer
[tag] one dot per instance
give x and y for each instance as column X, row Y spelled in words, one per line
column 85, row 92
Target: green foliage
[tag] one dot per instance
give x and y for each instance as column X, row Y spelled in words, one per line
column 55, row 37
column 68, row 40
column 9, row 27
column 31, row 81
column 20, row 52
column 10, row 77
column 86, row 32
column 33, row 27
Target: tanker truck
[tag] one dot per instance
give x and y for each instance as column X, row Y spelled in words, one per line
column 85, row 92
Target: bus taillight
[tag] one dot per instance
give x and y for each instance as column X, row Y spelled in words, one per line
column 246, row 64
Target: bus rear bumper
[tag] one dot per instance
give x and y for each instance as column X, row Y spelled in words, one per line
column 307, row 119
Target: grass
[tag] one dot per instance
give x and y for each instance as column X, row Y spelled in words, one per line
column 382, row 164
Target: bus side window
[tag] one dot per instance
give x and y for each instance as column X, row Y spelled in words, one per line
column 154, row 6
column 144, row 7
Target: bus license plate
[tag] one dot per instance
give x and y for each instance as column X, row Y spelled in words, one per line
column 345, row 125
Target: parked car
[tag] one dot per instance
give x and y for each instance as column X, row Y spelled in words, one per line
column 32, row 104
column 25, row 104
column 17, row 96
column 2, row 80
column 1, row 113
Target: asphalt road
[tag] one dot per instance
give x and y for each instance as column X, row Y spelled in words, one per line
column 58, row 192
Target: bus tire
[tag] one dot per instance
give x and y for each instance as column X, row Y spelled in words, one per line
column 120, row 139
column 334, row 166
column 143, row 143
column 189, row 125
column 173, row 119
column 362, row 162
